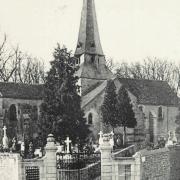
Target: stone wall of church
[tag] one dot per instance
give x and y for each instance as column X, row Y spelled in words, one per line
column 161, row 125
column 94, row 108
column 21, row 114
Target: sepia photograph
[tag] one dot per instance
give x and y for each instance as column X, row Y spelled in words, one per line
column 89, row 90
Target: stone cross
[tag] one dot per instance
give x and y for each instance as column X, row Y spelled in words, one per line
column 174, row 137
column 67, row 141
column 170, row 139
column 100, row 137
column 5, row 138
column 22, row 147
column 111, row 141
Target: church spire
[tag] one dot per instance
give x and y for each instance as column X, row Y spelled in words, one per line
column 88, row 40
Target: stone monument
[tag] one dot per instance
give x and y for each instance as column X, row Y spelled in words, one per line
column 67, row 141
column 5, row 139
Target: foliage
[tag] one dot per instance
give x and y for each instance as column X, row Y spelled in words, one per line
column 61, row 112
column 126, row 116
column 109, row 106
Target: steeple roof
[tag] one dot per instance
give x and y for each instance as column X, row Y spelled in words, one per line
column 88, row 40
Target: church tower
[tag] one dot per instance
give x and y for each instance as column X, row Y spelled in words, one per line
column 90, row 57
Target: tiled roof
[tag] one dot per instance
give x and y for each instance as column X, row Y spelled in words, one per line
column 148, row 92
column 93, row 94
column 151, row 92
column 21, row 91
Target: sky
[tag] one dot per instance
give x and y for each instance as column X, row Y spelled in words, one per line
column 130, row 30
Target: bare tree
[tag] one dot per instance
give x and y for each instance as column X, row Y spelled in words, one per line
column 152, row 69
column 16, row 66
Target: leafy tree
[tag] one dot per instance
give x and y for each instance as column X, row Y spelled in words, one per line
column 61, row 112
column 126, row 116
column 109, row 106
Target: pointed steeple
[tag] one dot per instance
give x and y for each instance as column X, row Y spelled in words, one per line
column 88, row 40
column 90, row 57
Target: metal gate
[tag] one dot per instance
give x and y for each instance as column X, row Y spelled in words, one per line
column 79, row 166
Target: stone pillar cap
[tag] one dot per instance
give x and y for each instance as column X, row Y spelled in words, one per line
column 50, row 138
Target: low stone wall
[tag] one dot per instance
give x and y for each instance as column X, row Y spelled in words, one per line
column 156, row 164
column 10, row 167
column 161, row 164
column 174, row 159
column 34, row 166
column 14, row 167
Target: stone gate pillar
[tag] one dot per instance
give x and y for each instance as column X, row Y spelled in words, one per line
column 50, row 159
column 106, row 159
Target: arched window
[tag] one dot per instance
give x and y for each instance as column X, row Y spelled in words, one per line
column 92, row 58
column 90, row 119
column 12, row 113
column 160, row 113
column 141, row 108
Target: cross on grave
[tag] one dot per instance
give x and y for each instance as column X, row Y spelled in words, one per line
column 174, row 139
column 111, row 141
column 68, row 141
column 100, row 137
column 5, row 138
column 4, row 129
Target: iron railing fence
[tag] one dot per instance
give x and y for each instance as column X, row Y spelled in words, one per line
column 76, row 160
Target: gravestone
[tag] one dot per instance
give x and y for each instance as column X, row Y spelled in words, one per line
column 68, row 142
column 5, row 139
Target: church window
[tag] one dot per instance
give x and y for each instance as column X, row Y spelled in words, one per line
column 90, row 119
column 141, row 108
column 92, row 59
column 160, row 113
column 12, row 113
column 92, row 44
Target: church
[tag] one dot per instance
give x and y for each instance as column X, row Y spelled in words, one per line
column 154, row 103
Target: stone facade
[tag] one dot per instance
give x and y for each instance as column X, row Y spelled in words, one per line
column 147, row 115
column 19, row 115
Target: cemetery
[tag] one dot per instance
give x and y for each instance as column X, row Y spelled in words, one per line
column 105, row 162
column 84, row 122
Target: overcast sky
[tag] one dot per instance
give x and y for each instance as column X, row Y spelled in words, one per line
column 129, row 29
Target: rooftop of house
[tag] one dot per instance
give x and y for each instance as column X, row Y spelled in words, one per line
column 21, row 91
